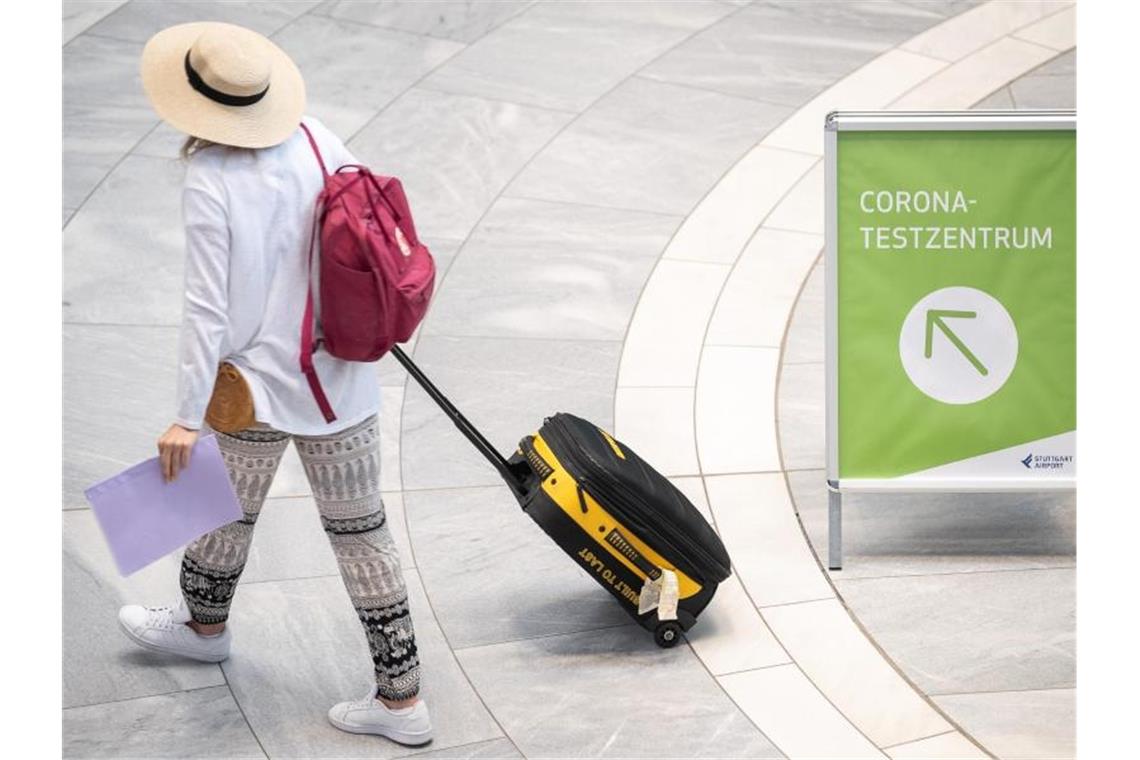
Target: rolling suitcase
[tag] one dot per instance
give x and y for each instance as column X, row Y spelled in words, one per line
column 623, row 522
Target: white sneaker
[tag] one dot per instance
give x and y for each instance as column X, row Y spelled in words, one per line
column 164, row 629
column 408, row 725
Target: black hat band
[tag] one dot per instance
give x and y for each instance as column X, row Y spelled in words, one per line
column 217, row 95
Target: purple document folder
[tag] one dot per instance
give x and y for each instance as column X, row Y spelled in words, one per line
column 145, row 518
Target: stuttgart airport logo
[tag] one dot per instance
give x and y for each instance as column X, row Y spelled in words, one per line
column 1046, row 461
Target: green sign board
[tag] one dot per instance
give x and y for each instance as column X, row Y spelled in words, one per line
column 951, row 300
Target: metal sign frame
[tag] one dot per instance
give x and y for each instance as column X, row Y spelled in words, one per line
column 881, row 121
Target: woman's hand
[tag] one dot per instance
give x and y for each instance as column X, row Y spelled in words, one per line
column 174, row 450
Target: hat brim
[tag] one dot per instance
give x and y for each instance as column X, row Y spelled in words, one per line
column 267, row 122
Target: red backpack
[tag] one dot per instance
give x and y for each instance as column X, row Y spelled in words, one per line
column 376, row 277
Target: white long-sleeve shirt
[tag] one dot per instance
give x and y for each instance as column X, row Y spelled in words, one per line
column 248, row 216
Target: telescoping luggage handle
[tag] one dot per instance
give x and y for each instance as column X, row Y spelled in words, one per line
column 469, row 431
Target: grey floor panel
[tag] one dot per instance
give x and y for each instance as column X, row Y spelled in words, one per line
column 99, row 71
column 496, row 749
column 505, row 388
column 921, row 534
column 299, row 649
column 1053, row 84
column 978, row 631
column 191, row 724
column 493, row 575
column 163, row 142
column 565, row 55
column 805, row 340
column 123, row 251
column 462, row 20
column 352, row 71
column 786, row 52
column 79, row 15
column 454, row 153
column 801, row 415
column 118, row 398
column 626, row 696
column 99, row 663
column 648, row 145
column 537, row 269
column 1019, row 725
column 1047, row 91
column 104, row 114
column 95, row 138
column 140, row 19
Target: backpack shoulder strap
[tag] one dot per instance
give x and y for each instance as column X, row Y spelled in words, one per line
column 308, row 345
column 316, row 151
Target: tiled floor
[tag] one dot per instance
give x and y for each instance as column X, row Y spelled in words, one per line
column 605, row 149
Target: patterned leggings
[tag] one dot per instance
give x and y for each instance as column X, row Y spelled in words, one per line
column 344, row 473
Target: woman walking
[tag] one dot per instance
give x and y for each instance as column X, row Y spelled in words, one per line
column 248, row 205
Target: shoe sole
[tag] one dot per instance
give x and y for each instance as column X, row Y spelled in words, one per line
column 400, row 737
column 164, row 650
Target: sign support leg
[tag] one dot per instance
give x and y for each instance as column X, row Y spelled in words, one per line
column 834, row 530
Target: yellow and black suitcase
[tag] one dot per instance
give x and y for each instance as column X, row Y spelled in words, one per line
column 622, row 521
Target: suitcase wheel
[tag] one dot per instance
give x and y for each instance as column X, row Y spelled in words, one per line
column 667, row 634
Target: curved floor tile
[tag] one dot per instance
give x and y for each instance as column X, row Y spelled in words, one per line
column 758, row 524
column 948, row 745
column 847, row 667
column 958, row 37
column 662, row 345
column 792, row 712
column 731, row 637
column 610, row 693
column 755, row 302
column 735, row 432
column 718, row 228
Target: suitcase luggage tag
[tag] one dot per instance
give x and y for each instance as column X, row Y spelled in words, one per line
column 661, row 595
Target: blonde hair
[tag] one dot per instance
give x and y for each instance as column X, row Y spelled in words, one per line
column 192, row 145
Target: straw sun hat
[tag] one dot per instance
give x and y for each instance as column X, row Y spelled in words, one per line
column 223, row 83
